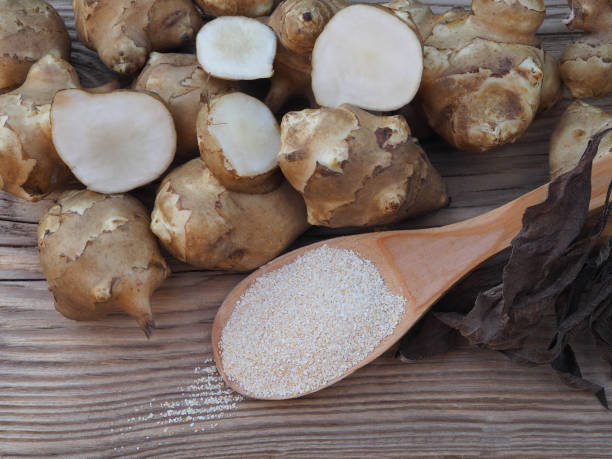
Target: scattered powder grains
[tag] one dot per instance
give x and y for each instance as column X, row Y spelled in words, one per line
column 298, row 327
column 208, row 398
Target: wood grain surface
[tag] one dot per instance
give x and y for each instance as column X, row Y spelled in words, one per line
column 101, row 389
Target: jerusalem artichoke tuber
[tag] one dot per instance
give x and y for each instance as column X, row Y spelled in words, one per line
column 586, row 65
column 113, row 142
column 29, row 164
column 29, row 29
column 236, row 48
column 202, row 223
column 239, row 140
column 99, row 256
column 357, row 169
column 369, row 57
column 484, row 72
column 124, row 32
column 571, row 136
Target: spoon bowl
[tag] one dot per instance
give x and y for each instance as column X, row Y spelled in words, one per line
column 420, row 265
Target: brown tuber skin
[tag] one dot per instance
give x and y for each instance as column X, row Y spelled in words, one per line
column 124, row 32
column 248, row 8
column 484, row 73
column 29, row 30
column 30, row 167
column 180, row 82
column 572, row 134
column 202, row 223
column 297, row 24
column 99, row 256
column 357, row 169
column 586, row 65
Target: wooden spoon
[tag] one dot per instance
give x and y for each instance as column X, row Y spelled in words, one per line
column 421, row 265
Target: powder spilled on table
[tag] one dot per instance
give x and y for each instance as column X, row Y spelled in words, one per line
column 306, row 323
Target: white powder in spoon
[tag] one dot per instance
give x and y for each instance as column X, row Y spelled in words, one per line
column 301, row 326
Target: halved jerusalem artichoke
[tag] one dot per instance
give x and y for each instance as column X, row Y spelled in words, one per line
column 113, row 142
column 30, row 167
column 99, row 256
column 357, row 169
column 204, row 224
column 180, row 82
column 369, row 57
column 239, row 140
column 236, row 48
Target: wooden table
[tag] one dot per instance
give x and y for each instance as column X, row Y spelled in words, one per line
column 103, row 389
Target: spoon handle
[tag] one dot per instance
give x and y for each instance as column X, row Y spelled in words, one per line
column 431, row 261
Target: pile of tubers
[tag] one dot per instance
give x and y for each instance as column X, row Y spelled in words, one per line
column 248, row 175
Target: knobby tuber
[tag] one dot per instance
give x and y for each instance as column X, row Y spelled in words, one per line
column 297, row 24
column 239, row 141
column 484, row 73
column 99, row 256
column 124, row 32
column 236, row 48
column 357, row 169
column 369, row 57
column 571, row 136
column 586, row 65
column 29, row 30
column 204, row 224
column 249, row 8
column 29, row 164
column 113, row 142
column 180, row 82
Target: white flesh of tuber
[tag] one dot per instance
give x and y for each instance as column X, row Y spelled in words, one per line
column 239, row 140
column 236, row 48
column 368, row 57
column 113, row 142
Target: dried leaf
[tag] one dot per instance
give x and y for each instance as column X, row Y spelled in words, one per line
column 548, row 275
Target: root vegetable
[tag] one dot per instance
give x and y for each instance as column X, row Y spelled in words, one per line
column 202, row 223
column 368, row 57
column 249, row 8
column 180, row 82
column 113, row 142
column 236, row 48
column 124, row 32
column 29, row 30
column 99, row 256
column 357, row 169
column 572, row 134
column 29, row 164
column 586, row 65
column 297, row 24
column 239, row 141
column 484, row 72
